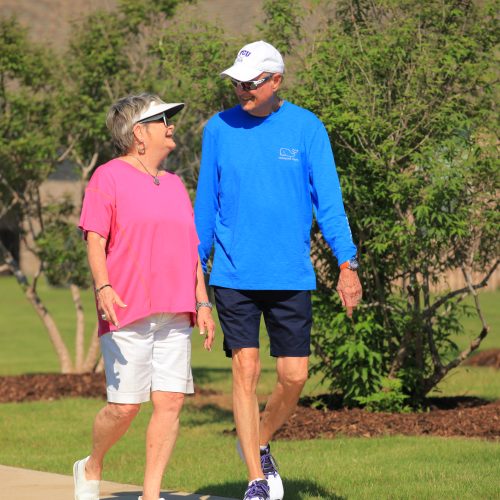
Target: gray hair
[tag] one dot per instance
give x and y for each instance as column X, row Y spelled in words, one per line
column 122, row 117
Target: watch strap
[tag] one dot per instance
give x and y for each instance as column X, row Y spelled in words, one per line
column 203, row 304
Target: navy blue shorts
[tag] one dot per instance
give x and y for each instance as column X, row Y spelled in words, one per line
column 287, row 314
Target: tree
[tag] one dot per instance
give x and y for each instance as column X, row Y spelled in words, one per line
column 54, row 110
column 185, row 62
column 51, row 112
column 405, row 90
column 28, row 152
column 283, row 24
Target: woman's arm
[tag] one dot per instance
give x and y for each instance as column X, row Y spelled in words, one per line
column 106, row 296
column 204, row 318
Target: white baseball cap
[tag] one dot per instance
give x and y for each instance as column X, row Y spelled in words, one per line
column 254, row 59
column 156, row 108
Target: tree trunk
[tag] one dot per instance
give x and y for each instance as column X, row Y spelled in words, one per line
column 439, row 373
column 80, row 328
column 100, row 366
column 400, row 357
column 92, row 354
column 62, row 352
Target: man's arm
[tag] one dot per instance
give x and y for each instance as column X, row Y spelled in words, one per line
column 207, row 193
column 330, row 214
column 327, row 197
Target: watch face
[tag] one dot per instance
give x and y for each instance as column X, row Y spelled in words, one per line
column 353, row 264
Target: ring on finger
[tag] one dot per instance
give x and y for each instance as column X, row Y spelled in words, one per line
column 104, row 317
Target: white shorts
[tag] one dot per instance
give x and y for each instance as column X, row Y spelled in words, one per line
column 151, row 354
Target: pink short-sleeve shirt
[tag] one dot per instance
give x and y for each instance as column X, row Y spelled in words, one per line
column 152, row 245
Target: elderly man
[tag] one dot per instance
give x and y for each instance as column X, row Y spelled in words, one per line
column 266, row 166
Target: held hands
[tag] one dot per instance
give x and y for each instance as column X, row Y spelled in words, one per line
column 206, row 324
column 106, row 300
column 349, row 288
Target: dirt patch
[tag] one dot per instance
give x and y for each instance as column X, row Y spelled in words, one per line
column 490, row 357
column 464, row 416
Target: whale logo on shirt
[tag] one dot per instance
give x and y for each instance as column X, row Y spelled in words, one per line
column 289, row 154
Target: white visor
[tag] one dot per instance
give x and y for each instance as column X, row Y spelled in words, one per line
column 170, row 109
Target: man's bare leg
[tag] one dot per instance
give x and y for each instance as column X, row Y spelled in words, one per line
column 246, row 372
column 292, row 375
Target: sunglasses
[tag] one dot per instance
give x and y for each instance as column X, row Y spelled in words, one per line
column 250, row 85
column 162, row 117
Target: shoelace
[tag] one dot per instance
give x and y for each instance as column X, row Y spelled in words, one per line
column 269, row 465
column 258, row 489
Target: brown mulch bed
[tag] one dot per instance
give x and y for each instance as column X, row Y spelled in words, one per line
column 464, row 417
column 49, row 386
column 480, row 420
column 490, row 357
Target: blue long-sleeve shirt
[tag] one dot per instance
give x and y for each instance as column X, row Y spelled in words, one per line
column 260, row 180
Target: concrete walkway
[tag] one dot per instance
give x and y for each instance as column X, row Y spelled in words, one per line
column 24, row 484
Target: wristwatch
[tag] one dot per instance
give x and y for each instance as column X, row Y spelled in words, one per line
column 351, row 264
column 203, row 304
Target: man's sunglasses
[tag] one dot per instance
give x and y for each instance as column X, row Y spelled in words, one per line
column 250, row 85
column 161, row 117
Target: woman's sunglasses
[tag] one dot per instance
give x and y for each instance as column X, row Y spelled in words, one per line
column 162, row 117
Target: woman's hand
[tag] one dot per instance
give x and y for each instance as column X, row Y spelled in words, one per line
column 106, row 300
column 206, row 324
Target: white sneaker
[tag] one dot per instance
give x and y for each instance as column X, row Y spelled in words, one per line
column 85, row 489
column 140, row 498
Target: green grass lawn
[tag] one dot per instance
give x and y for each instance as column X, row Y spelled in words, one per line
column 489, row 302
column 25, row 347
column 51, row 435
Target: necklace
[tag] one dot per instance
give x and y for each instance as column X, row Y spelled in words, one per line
column 155, row 177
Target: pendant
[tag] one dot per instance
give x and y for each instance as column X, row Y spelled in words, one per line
column 156, row 181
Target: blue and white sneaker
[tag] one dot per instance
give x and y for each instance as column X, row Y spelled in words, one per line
column 270, row 469
column 257, row 490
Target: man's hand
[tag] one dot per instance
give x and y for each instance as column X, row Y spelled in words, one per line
column 349, row 288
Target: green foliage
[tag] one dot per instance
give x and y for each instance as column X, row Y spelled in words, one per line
column 60, row 248
column 349, row 350
column 406, row 94
column 185, row 62
column 27, row 143
column 390, row 397
column 98, row 71
column 109, row 57
column 136, row 12
column 283, row 23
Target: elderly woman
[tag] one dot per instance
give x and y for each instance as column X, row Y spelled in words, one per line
column 149, row 286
